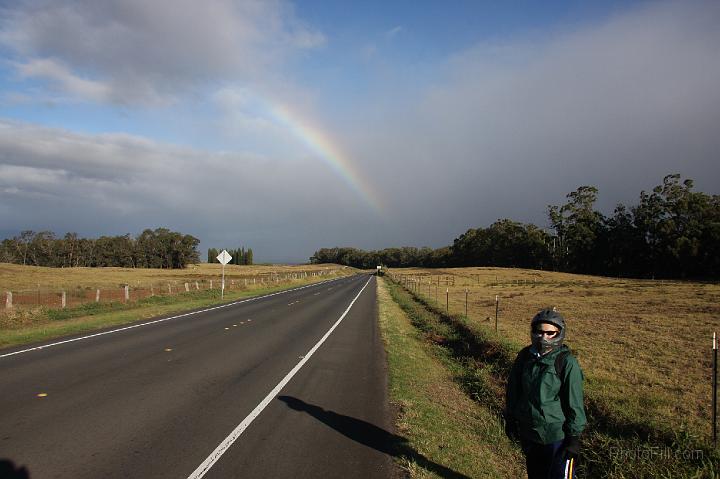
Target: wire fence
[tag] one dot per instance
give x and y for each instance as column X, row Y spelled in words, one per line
column 493, row 302
column 52, row 298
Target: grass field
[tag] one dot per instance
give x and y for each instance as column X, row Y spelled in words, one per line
column 644, row 345
column 27, row 324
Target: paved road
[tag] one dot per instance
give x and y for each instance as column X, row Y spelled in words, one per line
column 156, row 401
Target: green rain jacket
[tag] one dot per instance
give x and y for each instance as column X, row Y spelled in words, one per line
column 544, row 406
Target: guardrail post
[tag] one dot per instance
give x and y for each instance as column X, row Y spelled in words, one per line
column 187, row 287
column 127, row 293
column 8, row 300
column 63, row 301
column 97, row 295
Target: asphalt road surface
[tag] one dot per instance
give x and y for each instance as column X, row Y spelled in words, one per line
column 209, row 394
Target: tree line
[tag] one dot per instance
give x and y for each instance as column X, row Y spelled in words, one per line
column 673, row 232
column 159, row 248
column 239, row 255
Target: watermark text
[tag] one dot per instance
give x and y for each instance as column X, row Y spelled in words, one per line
column 655, row 453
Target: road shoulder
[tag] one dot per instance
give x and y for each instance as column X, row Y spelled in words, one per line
column 446, row 433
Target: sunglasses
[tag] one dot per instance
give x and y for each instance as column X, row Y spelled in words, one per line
column 540, row 332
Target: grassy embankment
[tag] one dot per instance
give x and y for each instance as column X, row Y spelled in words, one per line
column 643, row 346
column 24, row 325
column 446, row 433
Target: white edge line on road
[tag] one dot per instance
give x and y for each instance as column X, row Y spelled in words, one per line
column 37, row 348
column 235, row 434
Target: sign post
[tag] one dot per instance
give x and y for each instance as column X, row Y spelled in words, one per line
column 224, row 259
column 378, row 270
column 497, row 307
column 466, row 296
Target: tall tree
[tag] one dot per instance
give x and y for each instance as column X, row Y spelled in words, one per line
column 578, row 227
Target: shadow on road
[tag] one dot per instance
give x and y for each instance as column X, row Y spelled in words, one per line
column 9, row 471
column 370, row 435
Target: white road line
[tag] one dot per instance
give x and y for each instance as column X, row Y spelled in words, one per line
column 37, row 348
column 235, row 434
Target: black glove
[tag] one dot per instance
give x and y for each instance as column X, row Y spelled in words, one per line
column 511, row 430
column 571, row 447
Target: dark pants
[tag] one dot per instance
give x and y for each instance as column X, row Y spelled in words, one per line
column 545, row 461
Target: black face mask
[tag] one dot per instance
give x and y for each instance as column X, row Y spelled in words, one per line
column 544, row 344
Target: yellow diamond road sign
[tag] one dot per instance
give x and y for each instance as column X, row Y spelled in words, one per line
column 224, row 257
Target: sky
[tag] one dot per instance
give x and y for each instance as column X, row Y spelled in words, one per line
column 291, row 126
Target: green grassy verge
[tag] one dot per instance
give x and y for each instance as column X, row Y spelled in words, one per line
column 54, row 323
column 614, row 447
column 444, row 433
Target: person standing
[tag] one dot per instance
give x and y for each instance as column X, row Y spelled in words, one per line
column 544, row 400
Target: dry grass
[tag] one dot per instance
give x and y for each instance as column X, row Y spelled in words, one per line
column 15, row 277
column 644, row 345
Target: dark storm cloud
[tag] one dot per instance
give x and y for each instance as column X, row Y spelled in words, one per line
column 115, row 184
column 507, row 128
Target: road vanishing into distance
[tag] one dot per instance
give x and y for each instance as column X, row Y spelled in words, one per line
column 263, row 387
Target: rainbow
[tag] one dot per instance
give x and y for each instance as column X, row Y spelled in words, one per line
column 320, row 143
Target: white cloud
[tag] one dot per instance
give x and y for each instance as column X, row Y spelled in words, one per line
column 64, row 78
column 140, row 52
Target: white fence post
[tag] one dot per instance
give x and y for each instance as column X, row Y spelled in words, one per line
column 127, row 293
column 210, row 284
column 8, row 300
column 97, row 295
column 63, row 301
